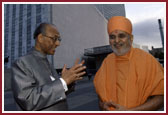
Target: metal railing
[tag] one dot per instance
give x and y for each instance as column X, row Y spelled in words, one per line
column 98, row 50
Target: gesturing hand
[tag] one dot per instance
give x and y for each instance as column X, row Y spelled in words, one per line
column 73, row 73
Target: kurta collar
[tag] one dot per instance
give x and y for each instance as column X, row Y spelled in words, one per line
column 39, row 54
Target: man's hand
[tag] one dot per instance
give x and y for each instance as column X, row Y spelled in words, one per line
column 73, row 73
column 105, row 106
column 118, row 107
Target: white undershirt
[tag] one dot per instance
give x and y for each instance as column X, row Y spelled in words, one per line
column 64, row 84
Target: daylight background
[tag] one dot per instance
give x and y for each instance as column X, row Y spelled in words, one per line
column 144, row 17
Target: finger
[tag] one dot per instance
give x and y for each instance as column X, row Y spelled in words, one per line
column 76, row 66
column 82, row 62
column 79, row 78
column 108, row 109
column 108, row 104
column 64, row 68
column 105, row 107
column 80, row 69
column 76, row 61
column 81, row 74
column 115, row 105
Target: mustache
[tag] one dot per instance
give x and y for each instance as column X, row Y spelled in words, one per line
column 117, row 44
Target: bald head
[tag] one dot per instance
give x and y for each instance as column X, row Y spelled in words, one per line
column 42, row 28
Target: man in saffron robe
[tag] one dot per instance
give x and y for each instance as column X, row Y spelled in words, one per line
column 129, row 79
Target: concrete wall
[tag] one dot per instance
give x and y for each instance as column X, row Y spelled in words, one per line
column 81, row 26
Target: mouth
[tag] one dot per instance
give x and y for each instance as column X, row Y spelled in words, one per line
column 54, row 49
column 118, row 46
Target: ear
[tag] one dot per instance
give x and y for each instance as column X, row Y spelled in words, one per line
column 132, row 38
column 40, row 38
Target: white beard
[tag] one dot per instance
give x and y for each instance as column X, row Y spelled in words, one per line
column 124, row 49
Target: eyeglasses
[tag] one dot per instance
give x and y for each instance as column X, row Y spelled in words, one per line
column 121, row 36
column 55, row 38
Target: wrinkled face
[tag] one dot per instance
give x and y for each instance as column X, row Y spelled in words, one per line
column 49, row 40
column 120, row 42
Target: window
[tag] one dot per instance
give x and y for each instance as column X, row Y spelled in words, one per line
column 13, row 34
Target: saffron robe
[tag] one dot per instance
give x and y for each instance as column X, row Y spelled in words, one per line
column 130, row 79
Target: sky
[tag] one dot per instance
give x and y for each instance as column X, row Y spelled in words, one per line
column 144, row 17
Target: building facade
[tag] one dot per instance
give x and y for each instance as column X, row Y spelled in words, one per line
column 109, row 10
column 81, row 26
column 20, row 21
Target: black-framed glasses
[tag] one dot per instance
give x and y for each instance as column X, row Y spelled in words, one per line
column 55, row 38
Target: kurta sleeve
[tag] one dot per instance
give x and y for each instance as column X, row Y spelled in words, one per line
column 31, row 96
column 158, row 79
column 153, row 79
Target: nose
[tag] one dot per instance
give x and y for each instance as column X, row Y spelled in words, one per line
column 117, row 39
column 57, row 43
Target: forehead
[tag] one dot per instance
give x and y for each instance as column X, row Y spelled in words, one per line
column 117, row 32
